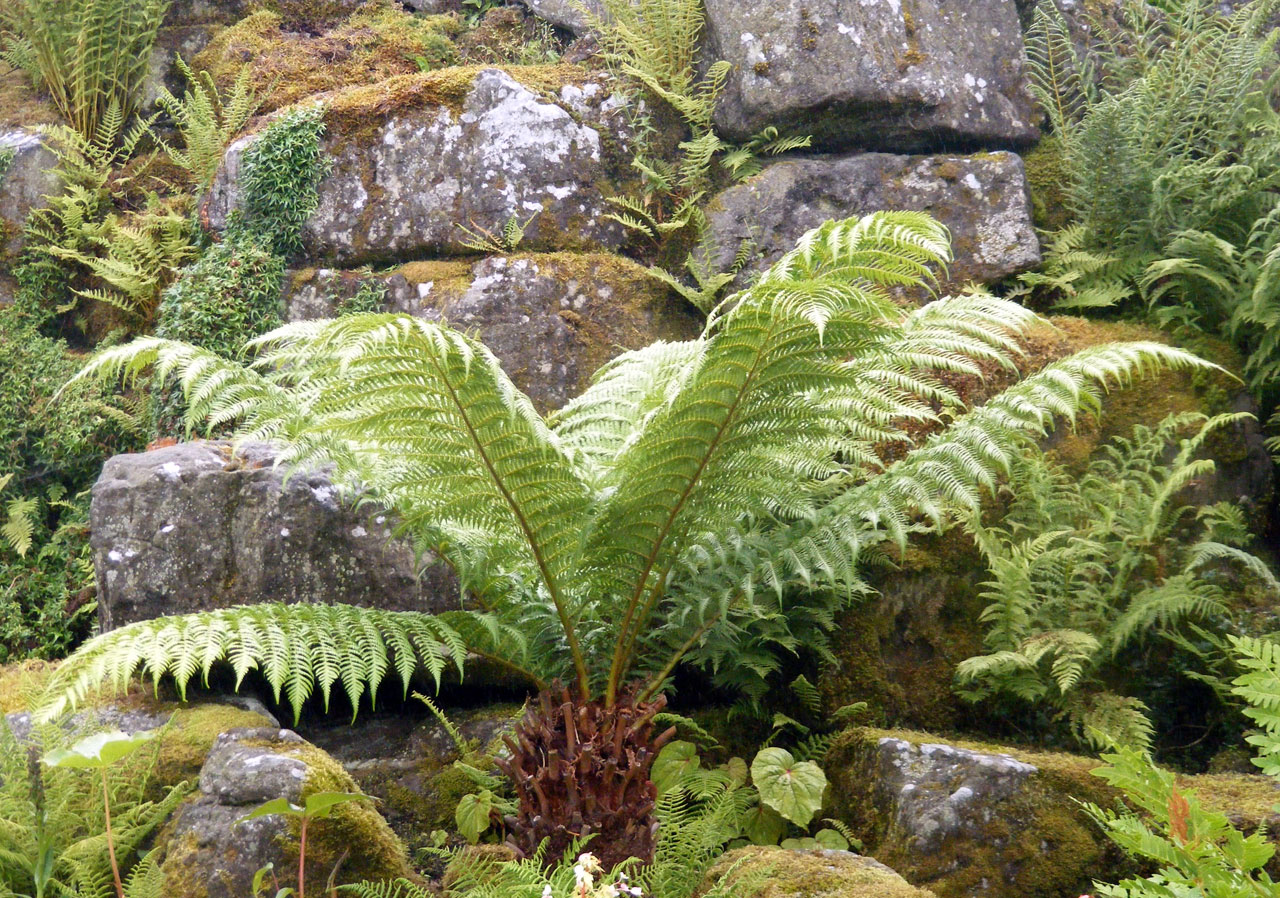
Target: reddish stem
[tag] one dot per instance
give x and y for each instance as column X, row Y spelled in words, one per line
column 302, row 860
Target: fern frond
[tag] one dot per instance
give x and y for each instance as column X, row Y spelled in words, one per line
column 275, row 640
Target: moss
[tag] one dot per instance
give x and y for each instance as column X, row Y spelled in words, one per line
column 355, row 831
column 186, row 742
column 1047, row 180
column 810, row 874
column 1040, row 843
column 379, row 41
column 897, row 650
column 1250, row 801
column 356, row 112
column 21, row 684
column 21, row 105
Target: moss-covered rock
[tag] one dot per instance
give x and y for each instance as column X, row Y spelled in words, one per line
column 206, row 853
column 778, row 873
column 408, row 765
column 428, row 164
column 970, row 819
column 551, row 319
column 287, row 64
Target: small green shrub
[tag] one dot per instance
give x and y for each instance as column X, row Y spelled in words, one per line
column 43, row 441
column 280, row 176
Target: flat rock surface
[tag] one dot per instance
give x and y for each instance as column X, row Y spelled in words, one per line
column 982, row 199
column 881, row 74
column 192, row 527
column 25, row 179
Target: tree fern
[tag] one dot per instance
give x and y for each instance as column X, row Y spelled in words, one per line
column 676, row 510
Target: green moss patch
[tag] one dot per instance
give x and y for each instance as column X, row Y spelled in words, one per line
column 776, row 873
column 379, row 41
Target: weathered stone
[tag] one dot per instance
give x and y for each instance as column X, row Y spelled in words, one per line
column 812, row 874
column 193, row 527
column 206, row 852
column 972, row 820
column 566, row 14
column 25, row 179
column 983, row 199
column 551, row 320
column 888, row 75
column 422, row 164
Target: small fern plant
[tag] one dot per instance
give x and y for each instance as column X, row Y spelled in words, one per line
column 1085, row 569
column 1198, row 851
column 91, row 56
column 206, row 120
column 677, row 511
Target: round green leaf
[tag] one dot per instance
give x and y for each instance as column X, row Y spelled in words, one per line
column 763, row 826
column 98, row 751
column 792, row 788
column 472, row 815
column 831, row 839
column 676, row 760
column 738, row 772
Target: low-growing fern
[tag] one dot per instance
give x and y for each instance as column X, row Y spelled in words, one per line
column 1085, row 568
column 298, row 649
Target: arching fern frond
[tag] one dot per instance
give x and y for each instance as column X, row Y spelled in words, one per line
column 300, row 649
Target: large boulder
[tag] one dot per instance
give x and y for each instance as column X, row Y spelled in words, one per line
column 971, row 820
column 422, row 164
column 195, row 526
column 205, row 852
column 983, row 199
column 552, row 320
column 778, row 873
column 881, row 75
column 26, row 177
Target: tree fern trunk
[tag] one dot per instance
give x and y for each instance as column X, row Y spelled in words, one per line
column 581, row 769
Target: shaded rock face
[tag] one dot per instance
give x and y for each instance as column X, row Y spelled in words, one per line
column 408, row 765
column 412, row 181
column 207, row 853
column 192, row 527
column 888, row 74
column 982, row 199
column 814, row 874
column 551, row 320
column 162, row 70
column 566, row 14
column 24, row 181
column 971, row 821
